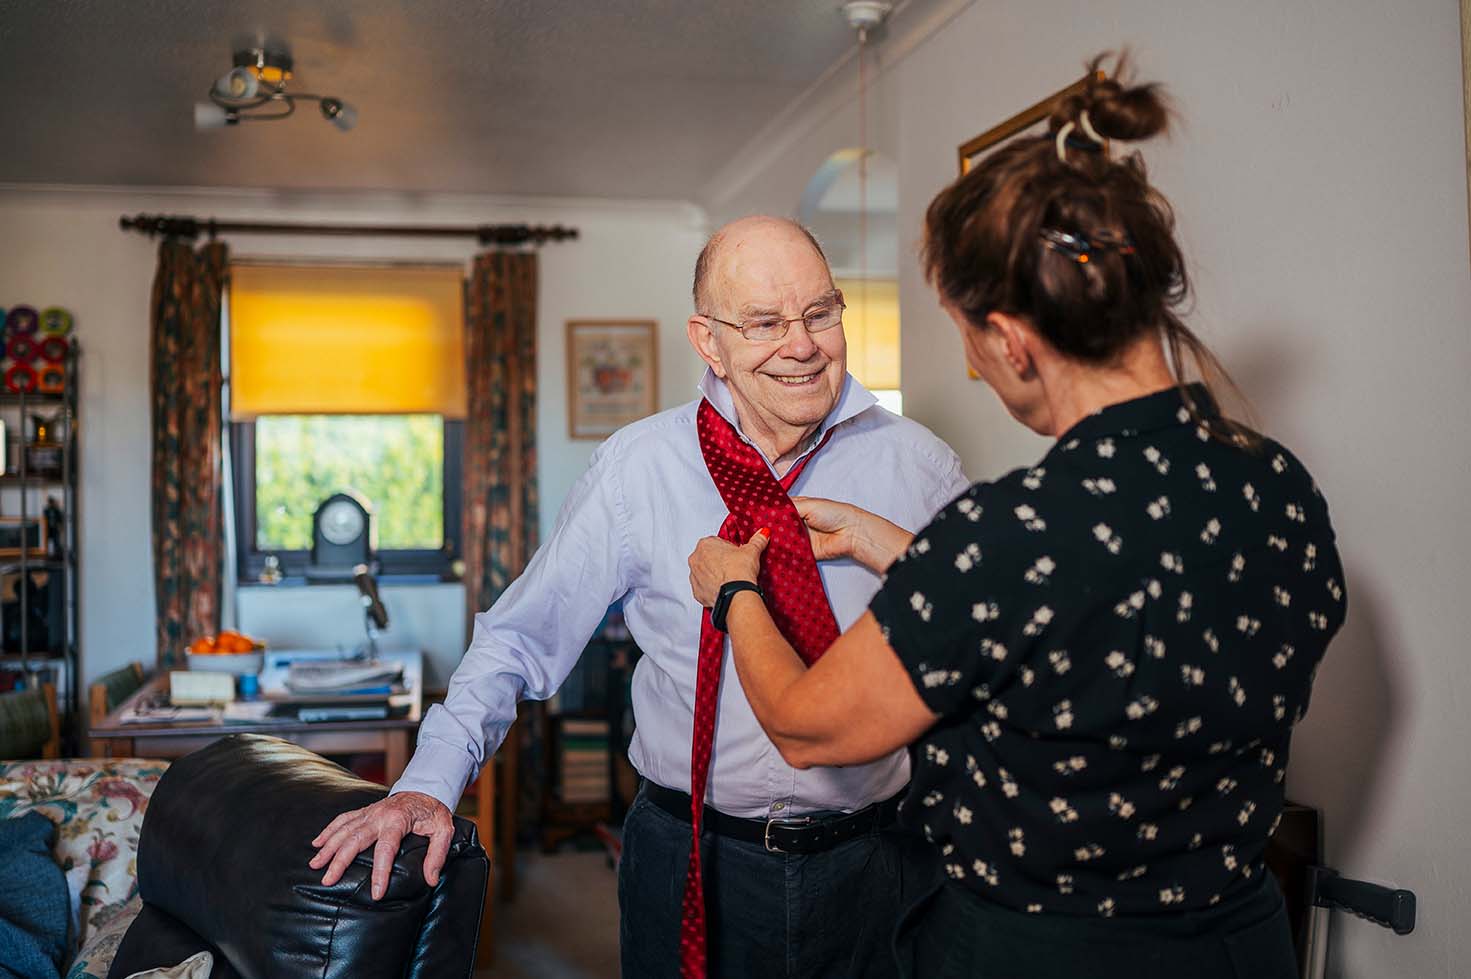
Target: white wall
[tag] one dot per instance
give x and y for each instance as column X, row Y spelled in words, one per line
column 1320, row 184
column 64, row 247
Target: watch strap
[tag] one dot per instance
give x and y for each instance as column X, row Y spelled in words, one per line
column 729, row 591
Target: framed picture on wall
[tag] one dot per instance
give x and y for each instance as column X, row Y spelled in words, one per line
column 1023, row 121
column 612, row 375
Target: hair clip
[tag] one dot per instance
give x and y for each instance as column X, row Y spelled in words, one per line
column 1062, row 135
column 1075, row 247
column 1094, row 143
column 1080, row 249
column 1086, row 124
column 1117, row 240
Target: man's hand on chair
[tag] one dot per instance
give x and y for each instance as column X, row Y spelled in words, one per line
column 383, row 825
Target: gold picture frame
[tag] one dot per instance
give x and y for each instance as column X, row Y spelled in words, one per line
column 1022, row 121
column 612, row 375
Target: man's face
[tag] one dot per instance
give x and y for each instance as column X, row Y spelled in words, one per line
column 772, row 270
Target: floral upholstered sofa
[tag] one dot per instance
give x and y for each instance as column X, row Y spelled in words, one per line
column 98, row 806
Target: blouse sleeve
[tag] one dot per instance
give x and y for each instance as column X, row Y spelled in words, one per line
column 949, row 604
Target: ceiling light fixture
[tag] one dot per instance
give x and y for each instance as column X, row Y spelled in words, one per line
column 255, row 90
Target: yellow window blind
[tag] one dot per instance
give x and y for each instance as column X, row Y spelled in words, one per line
column 318, row 340
column 871, row 325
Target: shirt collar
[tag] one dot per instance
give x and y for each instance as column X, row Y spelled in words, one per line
column 1162, row 409
column 853, row 400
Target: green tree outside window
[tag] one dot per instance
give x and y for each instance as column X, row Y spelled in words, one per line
column 395, row 462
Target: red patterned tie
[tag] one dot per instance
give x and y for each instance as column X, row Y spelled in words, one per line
column 794, row 596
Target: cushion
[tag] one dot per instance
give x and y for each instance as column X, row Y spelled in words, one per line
column 34, row 909
column 108, row 926
column 98, row 807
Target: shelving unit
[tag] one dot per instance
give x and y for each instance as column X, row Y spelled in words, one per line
column 591, row 720
column 23, row 496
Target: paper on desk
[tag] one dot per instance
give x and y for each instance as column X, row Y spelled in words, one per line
column 247, row 711
column 325, row 677
column 167, row 715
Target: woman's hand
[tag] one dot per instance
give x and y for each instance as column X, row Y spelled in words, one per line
column 830, row 525
column 717, row 561
column 839, row 530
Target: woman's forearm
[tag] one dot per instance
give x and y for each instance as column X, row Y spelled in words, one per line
column 768, row 668
column 877, row 543
column 853, row 706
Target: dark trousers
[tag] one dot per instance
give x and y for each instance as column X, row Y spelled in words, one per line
column 953, row 933
column 830, row 915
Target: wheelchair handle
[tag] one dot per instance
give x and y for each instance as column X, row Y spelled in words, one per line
column 1388, row 907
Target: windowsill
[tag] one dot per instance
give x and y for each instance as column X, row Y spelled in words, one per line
column 384, row 581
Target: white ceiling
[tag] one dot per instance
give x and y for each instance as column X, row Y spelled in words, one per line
column 611, row 98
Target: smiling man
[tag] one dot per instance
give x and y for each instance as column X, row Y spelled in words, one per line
column 800, row 872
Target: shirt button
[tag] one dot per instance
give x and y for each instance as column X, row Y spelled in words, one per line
column 778, row 806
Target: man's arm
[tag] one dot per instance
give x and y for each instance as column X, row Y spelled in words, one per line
column 951, row 483
column 523, row 648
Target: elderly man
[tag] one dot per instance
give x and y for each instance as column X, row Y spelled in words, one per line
column 797, row 873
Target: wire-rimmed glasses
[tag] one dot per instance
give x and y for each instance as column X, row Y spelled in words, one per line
column 824, row 314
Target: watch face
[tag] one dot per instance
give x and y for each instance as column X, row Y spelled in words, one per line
column 342, row 523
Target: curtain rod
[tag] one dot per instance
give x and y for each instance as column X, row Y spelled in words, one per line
column 177, row 226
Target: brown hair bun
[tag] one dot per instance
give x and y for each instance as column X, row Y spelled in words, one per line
column 1117, row 108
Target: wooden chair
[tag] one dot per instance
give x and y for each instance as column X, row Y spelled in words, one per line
column 29, row 724
column 103, row 697
column 495, row 822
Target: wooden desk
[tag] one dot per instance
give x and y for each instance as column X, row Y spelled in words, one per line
column 392, row 737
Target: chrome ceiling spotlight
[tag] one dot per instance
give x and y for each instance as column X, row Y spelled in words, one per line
column 339, row 114
column 255, row 89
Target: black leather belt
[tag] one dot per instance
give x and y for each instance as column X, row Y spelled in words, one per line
column 801, row 834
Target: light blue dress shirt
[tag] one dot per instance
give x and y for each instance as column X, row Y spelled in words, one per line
column 626, row 531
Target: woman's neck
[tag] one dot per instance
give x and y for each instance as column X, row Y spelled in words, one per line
column 1074, row 391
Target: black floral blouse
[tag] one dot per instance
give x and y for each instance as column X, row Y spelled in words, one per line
column 1119, row 641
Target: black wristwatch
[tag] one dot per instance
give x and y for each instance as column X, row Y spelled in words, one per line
column 728, row 591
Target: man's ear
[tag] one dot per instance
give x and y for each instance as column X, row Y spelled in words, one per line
column 1012, row 339
column 702, row 338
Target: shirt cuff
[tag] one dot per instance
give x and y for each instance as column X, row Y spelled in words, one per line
column 437, row 770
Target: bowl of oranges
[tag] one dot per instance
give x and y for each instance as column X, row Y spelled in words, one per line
column 228, row 652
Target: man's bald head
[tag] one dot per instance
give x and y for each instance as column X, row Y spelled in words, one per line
column 734, row 231
column 784, row 381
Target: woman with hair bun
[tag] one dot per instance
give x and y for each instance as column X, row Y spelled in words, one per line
column 1098, row 660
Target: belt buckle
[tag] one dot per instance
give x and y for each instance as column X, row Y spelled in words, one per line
column 776, row 821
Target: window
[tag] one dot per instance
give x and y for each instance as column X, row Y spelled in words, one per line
column 871, row 325
column 346, row 380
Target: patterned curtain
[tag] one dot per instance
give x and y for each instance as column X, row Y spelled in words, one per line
column 500, row 498
column 187, row 448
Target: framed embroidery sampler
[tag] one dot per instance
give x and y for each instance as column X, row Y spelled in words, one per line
column 612, row 375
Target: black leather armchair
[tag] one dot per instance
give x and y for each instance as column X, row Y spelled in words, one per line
column 222, row 865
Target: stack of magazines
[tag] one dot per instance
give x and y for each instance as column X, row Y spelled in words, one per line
column 345, row 677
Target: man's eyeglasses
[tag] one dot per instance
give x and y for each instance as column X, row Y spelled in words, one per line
column 819, row 316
